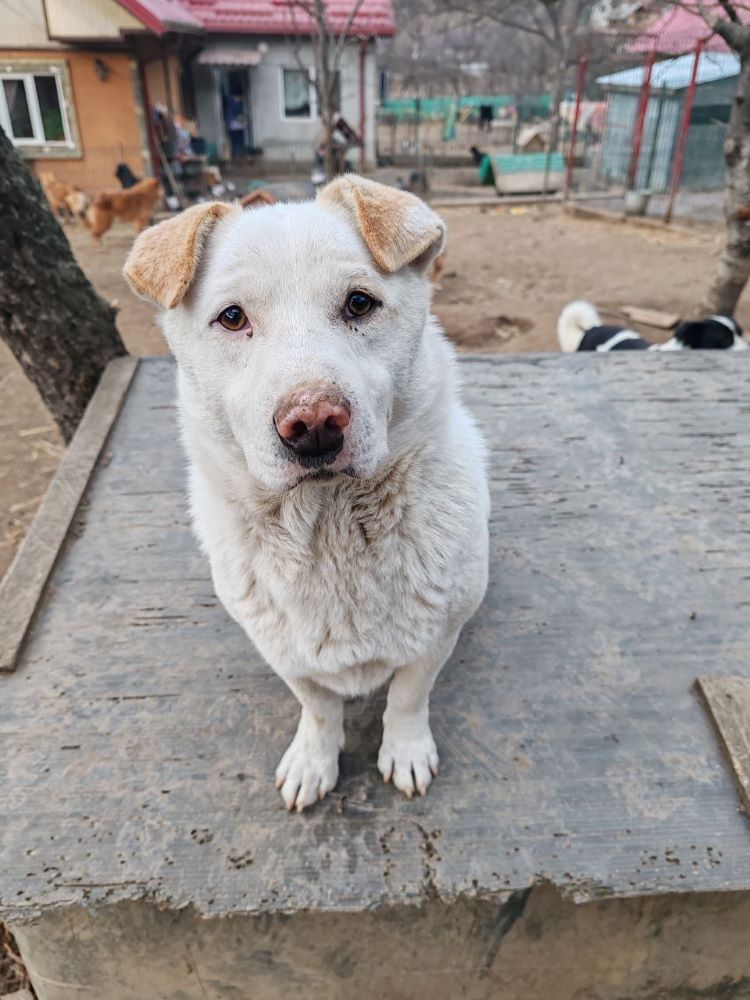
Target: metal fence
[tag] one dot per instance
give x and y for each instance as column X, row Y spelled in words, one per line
column 646, row 136
column 658, row 146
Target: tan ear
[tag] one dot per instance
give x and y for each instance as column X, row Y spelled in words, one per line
column 163, row 261
column 399, row 228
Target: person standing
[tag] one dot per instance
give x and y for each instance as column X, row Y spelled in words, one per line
column 234, row 118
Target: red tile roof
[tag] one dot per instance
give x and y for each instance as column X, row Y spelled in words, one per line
column 678, row 31
column 258, row 17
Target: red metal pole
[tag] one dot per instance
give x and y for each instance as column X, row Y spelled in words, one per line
column 640, row 120
column 362, row 112
column 684, row 129
column 582, row 65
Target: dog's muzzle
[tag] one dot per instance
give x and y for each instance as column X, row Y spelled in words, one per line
column 312, row 423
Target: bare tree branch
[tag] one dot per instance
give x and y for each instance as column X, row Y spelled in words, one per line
column 351, row 17
column 328, row 42
column 734, row 32
column 730, row 10
column 487, row 12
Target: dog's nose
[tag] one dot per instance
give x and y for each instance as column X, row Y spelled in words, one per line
column 312, row 423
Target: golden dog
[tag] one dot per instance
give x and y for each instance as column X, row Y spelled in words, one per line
column 136, row 204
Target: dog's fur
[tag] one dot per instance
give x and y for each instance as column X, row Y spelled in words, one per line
column 262, row 196
column 363, row 571
column 579, row 328
column 135, row 204
column 67, row 201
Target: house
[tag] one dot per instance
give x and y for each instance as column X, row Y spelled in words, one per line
column 79, row 79
column 255, row 52
column 703, row 167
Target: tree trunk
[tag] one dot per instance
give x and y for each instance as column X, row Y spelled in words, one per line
column 62, row 333
column 733, row 269
column 331, row 167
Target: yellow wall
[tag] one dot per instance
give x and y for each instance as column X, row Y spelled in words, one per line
column 106, row 115
column 156, row 82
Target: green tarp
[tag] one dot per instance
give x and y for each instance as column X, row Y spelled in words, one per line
column 535, row 106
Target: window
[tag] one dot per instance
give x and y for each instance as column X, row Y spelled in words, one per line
column 32, row 106
column 299, row 97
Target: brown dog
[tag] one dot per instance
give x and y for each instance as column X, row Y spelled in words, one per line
column 258, row 198
column 135, row 204
column 66, row 201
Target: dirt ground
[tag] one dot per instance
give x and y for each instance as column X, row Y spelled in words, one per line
column 508, row 272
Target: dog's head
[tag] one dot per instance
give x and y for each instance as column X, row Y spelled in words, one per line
column 715, row 333
column 296, row 326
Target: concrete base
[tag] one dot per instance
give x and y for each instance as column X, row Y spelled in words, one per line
column 532, row 945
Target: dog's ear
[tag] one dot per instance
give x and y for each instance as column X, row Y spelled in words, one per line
column 164, row 259
column 398, row 228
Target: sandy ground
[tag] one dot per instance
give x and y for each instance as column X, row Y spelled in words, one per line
column 508, row 272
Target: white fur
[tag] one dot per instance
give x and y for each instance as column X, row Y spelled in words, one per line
column 575, row 319
column 346, row 582
column 673, row 344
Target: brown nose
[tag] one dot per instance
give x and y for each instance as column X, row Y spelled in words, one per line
column 311, row 423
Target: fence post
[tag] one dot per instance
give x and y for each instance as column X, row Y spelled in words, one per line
column 582, row 65
column 684, row 129
column 640, row 120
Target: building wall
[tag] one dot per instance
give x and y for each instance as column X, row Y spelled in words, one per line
column 703, row 164
column 289, row 140
column 156, row 72
column 106, row 113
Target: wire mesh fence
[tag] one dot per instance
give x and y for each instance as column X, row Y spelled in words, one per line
column 659, row 148
column 646, row 136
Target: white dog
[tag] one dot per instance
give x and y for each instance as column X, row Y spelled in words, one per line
column 337, row 482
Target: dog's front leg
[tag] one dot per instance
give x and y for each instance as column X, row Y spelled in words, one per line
column 310, row 767
column 408, row 755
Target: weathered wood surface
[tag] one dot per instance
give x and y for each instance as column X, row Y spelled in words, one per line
column 139, row 735
column 21, row 589
column 728, row 701
column 651, row 317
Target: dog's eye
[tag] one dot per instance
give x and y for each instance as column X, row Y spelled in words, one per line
column 233, row 318
column 359, row 304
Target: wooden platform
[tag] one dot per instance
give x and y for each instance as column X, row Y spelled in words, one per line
column 139, row 732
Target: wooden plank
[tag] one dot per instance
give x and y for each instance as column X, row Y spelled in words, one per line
column 23, row 584
column 728, row 702
column 651, row 317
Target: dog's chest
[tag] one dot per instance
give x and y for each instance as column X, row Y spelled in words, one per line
column 338, row 579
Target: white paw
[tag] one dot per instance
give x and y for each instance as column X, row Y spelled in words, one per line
column 408, row 757
column 310, row 767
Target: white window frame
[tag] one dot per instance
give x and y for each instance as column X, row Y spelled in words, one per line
column 312, row 91
column 38, row 141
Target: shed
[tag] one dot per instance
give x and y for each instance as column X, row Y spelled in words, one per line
column 704, row 167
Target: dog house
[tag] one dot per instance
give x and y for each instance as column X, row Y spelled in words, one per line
column 704, row 167
column 584, row 837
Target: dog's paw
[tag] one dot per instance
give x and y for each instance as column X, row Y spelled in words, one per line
column 409, row 760
column 308, row 770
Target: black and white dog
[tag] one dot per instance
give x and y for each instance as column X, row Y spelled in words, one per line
column 579, row 328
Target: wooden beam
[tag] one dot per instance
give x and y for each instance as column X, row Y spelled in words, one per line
column 728, row 702
column 23, row 584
